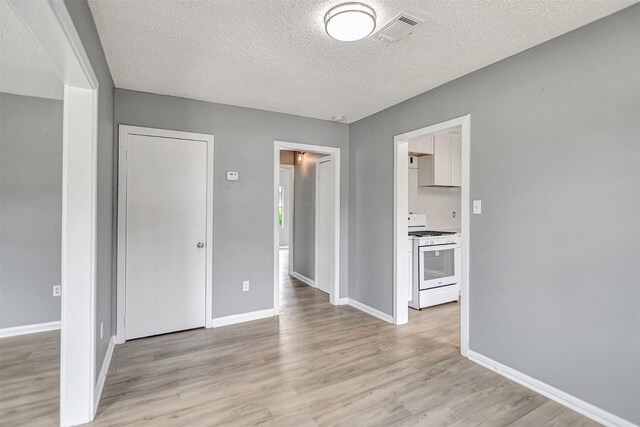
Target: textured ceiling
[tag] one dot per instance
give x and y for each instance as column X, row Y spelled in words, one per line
column 274, row 54
column 24, row 67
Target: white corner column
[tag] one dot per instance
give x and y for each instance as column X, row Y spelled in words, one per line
column 77, row 358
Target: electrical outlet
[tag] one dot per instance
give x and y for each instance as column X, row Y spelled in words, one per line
column 57, row 290
column 101, row 330
column 245, row 286
column 454, row 214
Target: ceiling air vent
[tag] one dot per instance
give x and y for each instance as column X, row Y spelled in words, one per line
column 397, row 28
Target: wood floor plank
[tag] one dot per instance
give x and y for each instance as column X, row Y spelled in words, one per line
column 315, row 365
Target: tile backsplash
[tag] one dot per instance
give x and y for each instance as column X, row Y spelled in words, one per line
column 437, row 203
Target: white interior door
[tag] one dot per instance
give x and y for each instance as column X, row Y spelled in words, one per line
column 325, row 209
column 165, row 225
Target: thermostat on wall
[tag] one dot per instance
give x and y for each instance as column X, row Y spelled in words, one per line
column 232, row 176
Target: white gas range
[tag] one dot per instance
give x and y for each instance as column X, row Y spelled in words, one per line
column 435, row 274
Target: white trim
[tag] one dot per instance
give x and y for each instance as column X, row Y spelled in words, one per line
column 52, row 27
column 334, row 152
column 242, row 317
column 343, row 301
column 291, row 201
column 14, row 331
column 303, row 279
column 369, row 310
column 599, row 415
column 123, row 132
column 400, row 142
column 316, row 211
column 102, row 376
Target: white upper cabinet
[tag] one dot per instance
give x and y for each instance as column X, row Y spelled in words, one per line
column 421, row 145
column 442, row 168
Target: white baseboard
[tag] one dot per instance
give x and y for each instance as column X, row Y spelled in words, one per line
column 102, row 376
column 370, row 310
column 303, row 279
column 343, row 301
column 29, row 329
column 243, row 317
column 599, row 415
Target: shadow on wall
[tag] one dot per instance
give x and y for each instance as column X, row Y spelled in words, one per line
column 304, row 217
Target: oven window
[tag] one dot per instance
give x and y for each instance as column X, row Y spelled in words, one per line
column 438, row 264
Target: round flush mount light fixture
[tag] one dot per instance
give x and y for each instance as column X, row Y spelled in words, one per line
column 348, row 22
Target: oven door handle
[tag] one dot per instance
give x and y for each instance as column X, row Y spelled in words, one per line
column 438, row 247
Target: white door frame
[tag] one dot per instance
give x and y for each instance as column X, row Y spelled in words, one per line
column 51, row 26
column 400, row 197
column 334, row 152
column 291, row 201
column 123, row 132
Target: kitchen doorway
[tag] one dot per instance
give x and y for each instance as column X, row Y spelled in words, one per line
column 314, row 217
column 402, row 279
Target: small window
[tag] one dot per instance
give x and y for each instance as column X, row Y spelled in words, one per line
column 281, row 206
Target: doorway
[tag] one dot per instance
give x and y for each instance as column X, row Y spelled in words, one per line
column 50, row 25
column 164, row 231
column 317, row 241
column 401, row 277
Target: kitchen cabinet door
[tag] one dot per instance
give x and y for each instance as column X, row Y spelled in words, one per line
column 422, row 145
column 443, row 168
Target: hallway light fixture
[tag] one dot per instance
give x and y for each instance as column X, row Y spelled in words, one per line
column 349, row 22
column 300, row 157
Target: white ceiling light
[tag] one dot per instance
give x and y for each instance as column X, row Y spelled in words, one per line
column 348, row 22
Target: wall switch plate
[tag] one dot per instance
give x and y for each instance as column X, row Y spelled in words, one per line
column 57, row 290
column 477, row 207
column 232, row 176
column 245, row 286
column 101, row 330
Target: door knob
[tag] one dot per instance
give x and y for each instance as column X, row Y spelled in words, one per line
column 200, row 245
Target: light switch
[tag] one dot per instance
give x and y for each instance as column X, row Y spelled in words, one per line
column 477, row 207
column 232, row 176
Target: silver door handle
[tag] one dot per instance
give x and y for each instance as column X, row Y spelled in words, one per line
column 200, row 245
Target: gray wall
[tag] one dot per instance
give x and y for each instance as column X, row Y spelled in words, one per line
column 555, row 158
column 30, row 209
column 243, row 210
column 304, row 218
column 105, row 308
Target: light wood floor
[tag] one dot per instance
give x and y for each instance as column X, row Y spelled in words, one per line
column 315, row 365
column 30, row 380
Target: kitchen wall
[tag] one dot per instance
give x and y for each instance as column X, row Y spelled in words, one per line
column 30, row 209
column 554, row 274
column 105, row 259
column 304, row 217
column 243, row 210
column 437, row 203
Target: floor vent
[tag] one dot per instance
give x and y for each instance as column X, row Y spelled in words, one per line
column 397, row 28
